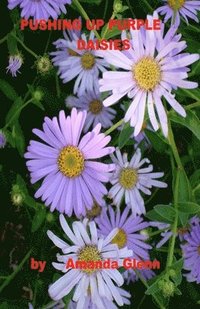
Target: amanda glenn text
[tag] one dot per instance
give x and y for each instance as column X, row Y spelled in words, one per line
column 127, row 263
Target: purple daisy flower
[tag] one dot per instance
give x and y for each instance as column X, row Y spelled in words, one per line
column 106, row 303
column 129, row 179
column 87, row 246
column 40, row 9
column 154, row 66
column 131, row 276
column 178, row 8
column 72, row 176
column 191, row 253
column 96, row 111
column 84, row 65
column 15, row 63
column 129, row 228
column 2, row 140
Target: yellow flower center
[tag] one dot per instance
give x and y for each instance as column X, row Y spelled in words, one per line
column 147, row 73
column 72, row 52
column 128, row 178
column 94, row 212
column 120, row 239
column 95, row 107
column 89, row 254
column 198, row 249
column 176, row 4
column 71, row 161
column 87, row 61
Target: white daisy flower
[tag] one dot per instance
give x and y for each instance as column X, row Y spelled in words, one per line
column 87, row 246
column 129, row 179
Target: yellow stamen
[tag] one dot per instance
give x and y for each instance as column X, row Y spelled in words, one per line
column 176, row 4
column 120, row 239
column 128, row 178
column 89, row 254
column 71, row 161
column 95, row 107
column 87, row 61
column 146, row 73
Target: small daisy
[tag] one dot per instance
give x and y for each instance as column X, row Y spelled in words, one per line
column 106, row 303
column 129, row 228
column 40, row 9
column 178, row 8
column 131, row 276
column 15, row 63
column 129, row 179
column 191, row 253
column 154, row 66
column 72, row 176
column 87, row 246
column 2, row 140
column 84, row 65
column 96, row 111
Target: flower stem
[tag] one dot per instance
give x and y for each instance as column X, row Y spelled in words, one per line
column 130, row 7
column 16, row 112
column 106, row 28
column 57, row 86
column 12, row 276
column 115, row 126
column 4, row 39
column 175, row 224
column 148, row 5
column 24, row 46
column 147, row 286
column 84, row 14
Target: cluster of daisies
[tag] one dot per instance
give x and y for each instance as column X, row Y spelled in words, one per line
column 77, row 168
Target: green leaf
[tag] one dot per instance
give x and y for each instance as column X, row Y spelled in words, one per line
column 21, row 183
column 14, row 111
column 194, row 93
column 184, row 193
column 18, row 135
column 158, row 143
column 110, row 33
column 165, row 211
column 39, row 218
column 155, row 216
column 191, row 121
column 12, row 44
column 8, row 90
column 189, row 207
column 125, row 135
column 177, row 268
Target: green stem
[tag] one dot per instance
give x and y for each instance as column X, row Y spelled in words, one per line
column 131, row 9
column 193, row 105
column 174, row 148
column 24, row 46
column 147, row 286
column 12, row 276
column 175, row 224
column 84, row 14
column 57, row 86
column 115, row 126
column 16, row 112
column 157, row 232
column 4, row 39
column 105, row 9
column 148, row 5
column 106, row 28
